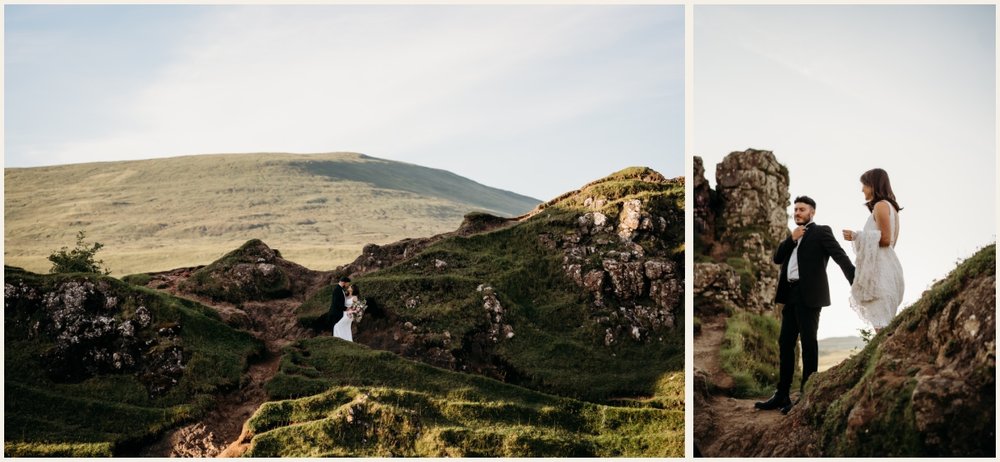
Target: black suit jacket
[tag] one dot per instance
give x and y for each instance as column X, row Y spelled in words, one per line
column 338, row 303
column 816, row 248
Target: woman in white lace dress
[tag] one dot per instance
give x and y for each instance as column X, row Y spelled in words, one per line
column 878, row 279
column 343, row 327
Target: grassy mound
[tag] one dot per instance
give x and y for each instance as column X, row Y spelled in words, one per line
column 97, row 367
column 926, row 384
column 551, row 336
column 247, row 273
column 344, row 399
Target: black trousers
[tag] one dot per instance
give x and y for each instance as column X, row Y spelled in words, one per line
column 797, row 320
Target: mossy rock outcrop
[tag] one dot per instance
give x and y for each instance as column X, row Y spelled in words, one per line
column 97, row 367
column 252, row 272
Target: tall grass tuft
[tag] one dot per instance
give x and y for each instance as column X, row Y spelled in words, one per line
column 749, row 353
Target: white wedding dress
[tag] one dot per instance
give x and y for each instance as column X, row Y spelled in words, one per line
column 342, row 329
column 878, row 277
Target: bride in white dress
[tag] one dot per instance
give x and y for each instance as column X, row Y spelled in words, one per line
column 342, row 329
column 878, row 279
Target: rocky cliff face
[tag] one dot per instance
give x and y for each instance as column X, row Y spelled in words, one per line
column 924, row 386
column 623, row 262
column 737, row 228
column 95, row 326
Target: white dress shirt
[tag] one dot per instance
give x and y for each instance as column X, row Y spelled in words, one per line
column 793, row 262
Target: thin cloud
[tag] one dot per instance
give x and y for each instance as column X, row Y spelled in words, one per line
column 379, row 80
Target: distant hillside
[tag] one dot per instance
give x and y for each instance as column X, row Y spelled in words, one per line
column 319, row 209
column 834, row 350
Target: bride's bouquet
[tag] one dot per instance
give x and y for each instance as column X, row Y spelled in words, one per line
column 358, row 309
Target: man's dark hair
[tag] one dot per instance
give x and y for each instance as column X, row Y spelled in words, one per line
column 345, row 279
column 805, row 200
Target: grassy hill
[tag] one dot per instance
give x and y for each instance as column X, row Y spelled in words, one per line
column 504, row 303
column 334, row 398
column 925, row 385
column 159, row 214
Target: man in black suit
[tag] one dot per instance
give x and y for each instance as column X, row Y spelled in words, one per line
column 338, row 303
column 804, row 290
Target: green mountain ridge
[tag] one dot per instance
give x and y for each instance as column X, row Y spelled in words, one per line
column 166, row 213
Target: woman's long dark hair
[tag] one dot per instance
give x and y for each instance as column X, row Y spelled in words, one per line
column 878, row 180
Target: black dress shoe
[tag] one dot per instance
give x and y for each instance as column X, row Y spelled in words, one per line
column 777, row 401
column 788, row 407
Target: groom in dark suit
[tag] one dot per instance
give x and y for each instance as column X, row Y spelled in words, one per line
column 339, row 302
column 804, row 290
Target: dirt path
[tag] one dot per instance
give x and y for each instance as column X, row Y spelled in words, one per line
column 722, row 423
column 706, row 352
column 220, row 433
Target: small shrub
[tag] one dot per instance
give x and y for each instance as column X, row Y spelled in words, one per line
column 866, row 335
column 78, row 260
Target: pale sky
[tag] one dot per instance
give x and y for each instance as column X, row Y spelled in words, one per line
column 538, row 100
column 834, row 91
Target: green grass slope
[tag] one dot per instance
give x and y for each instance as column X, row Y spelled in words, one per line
column 160, row 214
column 926, row 384
column 434, row 305
column 336, row 398
column 96, row 367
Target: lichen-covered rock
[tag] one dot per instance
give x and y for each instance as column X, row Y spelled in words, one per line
column 95, row 327
column 716, row 286
column 753, row 189
column 375, row 257
column 632, row 219
column 495, row 312
column 620, row 260
column 252, row 272
column 751, row 203
column 626, row 278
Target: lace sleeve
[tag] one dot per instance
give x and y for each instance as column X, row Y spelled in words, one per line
column 865, row 245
